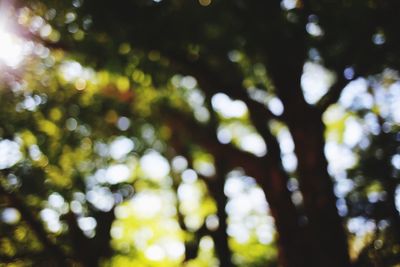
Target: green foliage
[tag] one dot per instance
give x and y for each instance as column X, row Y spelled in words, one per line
column 131, row 130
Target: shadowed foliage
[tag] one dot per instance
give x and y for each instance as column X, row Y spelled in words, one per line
column 199, row 133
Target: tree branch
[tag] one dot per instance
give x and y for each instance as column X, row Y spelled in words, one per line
column 210, row 83
column 35, row 225
column 259, row 114
column 215, row 186
column 205, row 135
column 333, row 95
column 271, row 178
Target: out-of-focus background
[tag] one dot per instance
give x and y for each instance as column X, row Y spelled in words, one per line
column 152, row 133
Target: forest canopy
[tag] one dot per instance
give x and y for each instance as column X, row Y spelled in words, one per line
column 200, row 133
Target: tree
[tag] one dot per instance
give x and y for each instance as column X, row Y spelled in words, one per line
column 142, row 60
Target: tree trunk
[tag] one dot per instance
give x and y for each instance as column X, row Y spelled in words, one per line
column 220, row 235
column 327, row 236
column 292, row 244
column 390, row 186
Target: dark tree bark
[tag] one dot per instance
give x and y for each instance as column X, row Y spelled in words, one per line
column 272, row 179
column 192, row 244
column 282, row 46
column 327, row 235
column 215, row 186
column 390, row 185
column 88, row 251
column 52, row 250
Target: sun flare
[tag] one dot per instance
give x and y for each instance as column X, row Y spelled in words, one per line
column 11, row 46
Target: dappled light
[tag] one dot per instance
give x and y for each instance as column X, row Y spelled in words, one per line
column 315, row 82
column 12, row 49
column 199, row 133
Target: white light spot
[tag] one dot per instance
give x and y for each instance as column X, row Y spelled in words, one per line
column 227, row 107
column 289, row 162
column 201, row 114
column 87, row 223
column 315, row 81
column 352, row 91
column 56, row 200
column 233, row 187
column 353, row 132
column 360, row 226
column 285, row 141
column 265, row 234
column 101, row 198
column 188, row 192
column 205, row 168
column 117, row 232
column 117, row 173
column 174, row 249
column 240, row 233
column 189, row 176
column 188, row 82
column 29, row 103
column 206, row 243
column 10, row 215
column 155, row 253
column 154, row 166
column 72, row 71
column 76, row 207
column 70, row 17
column 10, row 154
column 212, row 222
column 288, row 4
column 11, row 47
column 276, row 106
column 120, row 147
column 253, row 143
column 234, row 56
column 224, row 135
column 147, row 204
column 34, row 152
column 123, row 123
column 378, row 38
column 240, row 205
column 340, row 157
column 179, row 163
column 396, row 161
column 314, row 29
column 51, row 218
column 397, row 198
column 71, row 124
column 348, row 73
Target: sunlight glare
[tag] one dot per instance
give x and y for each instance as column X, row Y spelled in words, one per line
column 11, row 47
